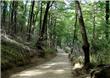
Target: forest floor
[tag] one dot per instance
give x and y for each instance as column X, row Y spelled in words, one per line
column 35, row 61
column 59, row 67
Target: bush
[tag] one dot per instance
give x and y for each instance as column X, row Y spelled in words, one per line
column 12, row 55
column 67, row 49
column 102, row 54
column 49, row 50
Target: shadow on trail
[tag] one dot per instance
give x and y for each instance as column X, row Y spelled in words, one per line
column 59, row 67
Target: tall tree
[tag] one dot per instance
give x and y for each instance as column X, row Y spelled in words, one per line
column 85, row 46
column 12, row 14
column 15, row 16
column 94, row 26
column 40, row 15
column 30, row 20
column 24, row 15
column 74, row 36
column 35, row 16
column 94, row 21
column 107, row 18
column 43, row 31
column 13, row 21
column 40, row 43
column 4, row 13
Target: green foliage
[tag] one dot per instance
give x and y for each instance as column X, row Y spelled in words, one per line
column 102, row 52
column 63, row 31
column 49, row 51
column 12, row 55
column 101, row 57
column 67, row 49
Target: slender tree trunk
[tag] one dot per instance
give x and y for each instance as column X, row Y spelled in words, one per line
column 74, row 36
column 9, row 27
column 15, row 17
column 75, row 29
column 54, row 33
column 12, row 17
column 25, row 14
column 41, row 41
column 42, row 36
column 35, row 19
column 40, row 15
column 51, row 29
column 84, row 35
column 107, row 19
column 13, row 21
column 48, row 31
column 30, row 22
column 94, row 23
column 4, row 14
column 94, row 28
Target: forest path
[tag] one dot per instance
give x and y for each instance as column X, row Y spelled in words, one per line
column 59, row 67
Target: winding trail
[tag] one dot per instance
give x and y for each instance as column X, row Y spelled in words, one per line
column 59, row 67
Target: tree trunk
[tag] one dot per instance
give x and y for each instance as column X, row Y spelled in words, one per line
column 85, row 46
column 107, row 19
column 30, row 21
column 4, row 14
column 93, row 22
column 15, row 17
column 40, row 16
column 43, row 31
column 35, row 19
column 54, row 33
column 94, row 28
column 41, row 41
column 25, row 14
column 74, row 36
column 12, row 19
column 75, row 29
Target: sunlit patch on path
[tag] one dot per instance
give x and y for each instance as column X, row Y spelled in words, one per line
column 59, row 67
column 77, row 65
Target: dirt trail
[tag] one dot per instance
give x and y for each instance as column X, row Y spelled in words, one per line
column 59, row 67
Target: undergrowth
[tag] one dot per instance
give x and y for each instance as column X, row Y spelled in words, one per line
column 101, row 54
column 12, row 55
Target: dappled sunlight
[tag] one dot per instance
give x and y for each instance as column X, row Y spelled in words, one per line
column 57, row 63
column 60, row 71
column 45, row 67
column 57, row 67
column 63, row 54
column 54, row 38
column 35, row 73
column 28, row 73
column 51, row 65
column 60, row 63
column 77, row 65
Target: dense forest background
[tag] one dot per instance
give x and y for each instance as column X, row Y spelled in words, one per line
column 36, row 28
